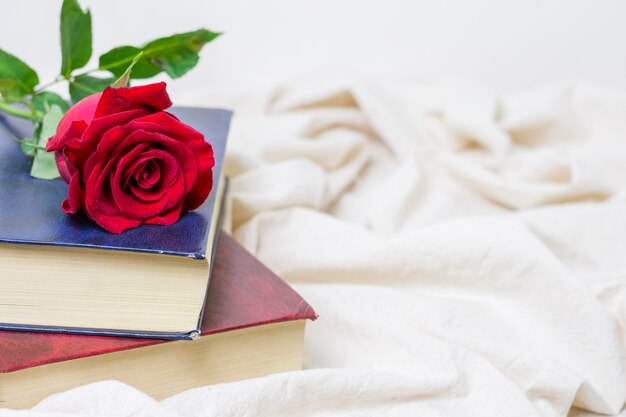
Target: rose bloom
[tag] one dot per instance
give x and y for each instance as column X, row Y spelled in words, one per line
column 128, row 162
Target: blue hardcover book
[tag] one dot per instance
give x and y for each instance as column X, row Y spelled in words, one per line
column 63, row 273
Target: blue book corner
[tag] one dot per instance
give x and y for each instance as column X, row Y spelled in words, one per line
column 30, row 209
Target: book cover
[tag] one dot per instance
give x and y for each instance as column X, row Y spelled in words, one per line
column 30, row 209
column 243, row 293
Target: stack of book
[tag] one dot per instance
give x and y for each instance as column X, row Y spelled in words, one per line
column 162, row 308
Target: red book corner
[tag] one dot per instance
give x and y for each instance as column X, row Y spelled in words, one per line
column 243, row 293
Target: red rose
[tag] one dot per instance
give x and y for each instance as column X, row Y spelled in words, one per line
column 127, row 162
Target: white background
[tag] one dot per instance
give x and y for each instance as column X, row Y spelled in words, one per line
column 503, row 44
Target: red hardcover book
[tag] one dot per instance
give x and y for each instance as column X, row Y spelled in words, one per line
column 253, row 325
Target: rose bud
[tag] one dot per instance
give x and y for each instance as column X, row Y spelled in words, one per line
column 128, row 162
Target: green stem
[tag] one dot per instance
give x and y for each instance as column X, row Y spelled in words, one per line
column 60, row 79
column 85, row 73
column 23, row 113
column 27, row 143
column 57, row 80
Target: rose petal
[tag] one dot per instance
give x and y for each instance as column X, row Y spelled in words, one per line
column 169, row 125
column 97, row 190
column 203, row 153
column 132, row 161
column 58, row 141
column 82, row 112
column 75, row 196
column 151, row 97
column 183, row 154
column 143, row 173
column 171, row 181
column 148, row 175
column 167, row 218
column 64, row 171
column 98, row 205
column 204, row 180
column 78, row 150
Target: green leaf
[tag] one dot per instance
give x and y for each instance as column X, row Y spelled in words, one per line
column 86, row 85
column 44, row 165
column 17, row 71
column 125, row 78
column 9, row 91
column 43, row 101
column 174, row 54
column 75, row 37
column 29, row 145
column 118, row 59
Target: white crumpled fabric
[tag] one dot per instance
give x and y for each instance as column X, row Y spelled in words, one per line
column 466, row 253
